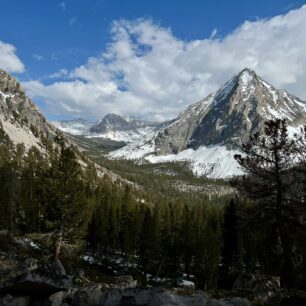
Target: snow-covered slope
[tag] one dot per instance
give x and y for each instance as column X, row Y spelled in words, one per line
column 209, row 133
column 77, row 126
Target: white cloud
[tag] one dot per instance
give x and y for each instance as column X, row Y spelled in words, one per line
column 9, row 61
column 59, row 74
column 147, row 70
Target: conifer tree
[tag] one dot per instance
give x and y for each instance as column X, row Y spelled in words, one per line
column 67, row 209
column 268, row 159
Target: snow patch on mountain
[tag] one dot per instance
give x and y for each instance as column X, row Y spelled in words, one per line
column 125, row 136
column 213, row 162
column 6, row 95
column 112, row 127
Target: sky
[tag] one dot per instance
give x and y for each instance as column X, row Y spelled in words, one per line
column 144, row 58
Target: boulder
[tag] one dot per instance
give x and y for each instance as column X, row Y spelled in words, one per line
column 236, row 301
column 26, row 276
column 264, row 287
column 150, row 297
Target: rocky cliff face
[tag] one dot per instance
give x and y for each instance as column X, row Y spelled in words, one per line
column 19, row 116
column 228, row 116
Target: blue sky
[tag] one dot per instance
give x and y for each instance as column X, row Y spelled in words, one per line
column 61, row 44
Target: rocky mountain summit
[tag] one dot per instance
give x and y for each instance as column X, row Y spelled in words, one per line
column 209, row 132
column 228, row 116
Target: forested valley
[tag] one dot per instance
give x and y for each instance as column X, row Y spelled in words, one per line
column 77, row 214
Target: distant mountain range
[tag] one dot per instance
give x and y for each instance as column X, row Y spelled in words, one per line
column 111, row 126
column 209, row 132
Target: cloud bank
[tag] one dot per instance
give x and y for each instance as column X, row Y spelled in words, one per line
column 9, row 61
column 146, row 70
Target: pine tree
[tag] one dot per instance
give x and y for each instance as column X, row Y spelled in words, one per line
column 267, row 160
column 67, row 204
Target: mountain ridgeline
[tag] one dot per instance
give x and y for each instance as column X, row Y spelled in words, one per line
column 25, row 124
column 209, row 132
column 228, row 116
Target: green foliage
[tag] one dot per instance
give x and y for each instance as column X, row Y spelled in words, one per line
column 275, row 184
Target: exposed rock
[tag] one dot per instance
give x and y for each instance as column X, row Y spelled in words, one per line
column 9, row 300
column 209, row 132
